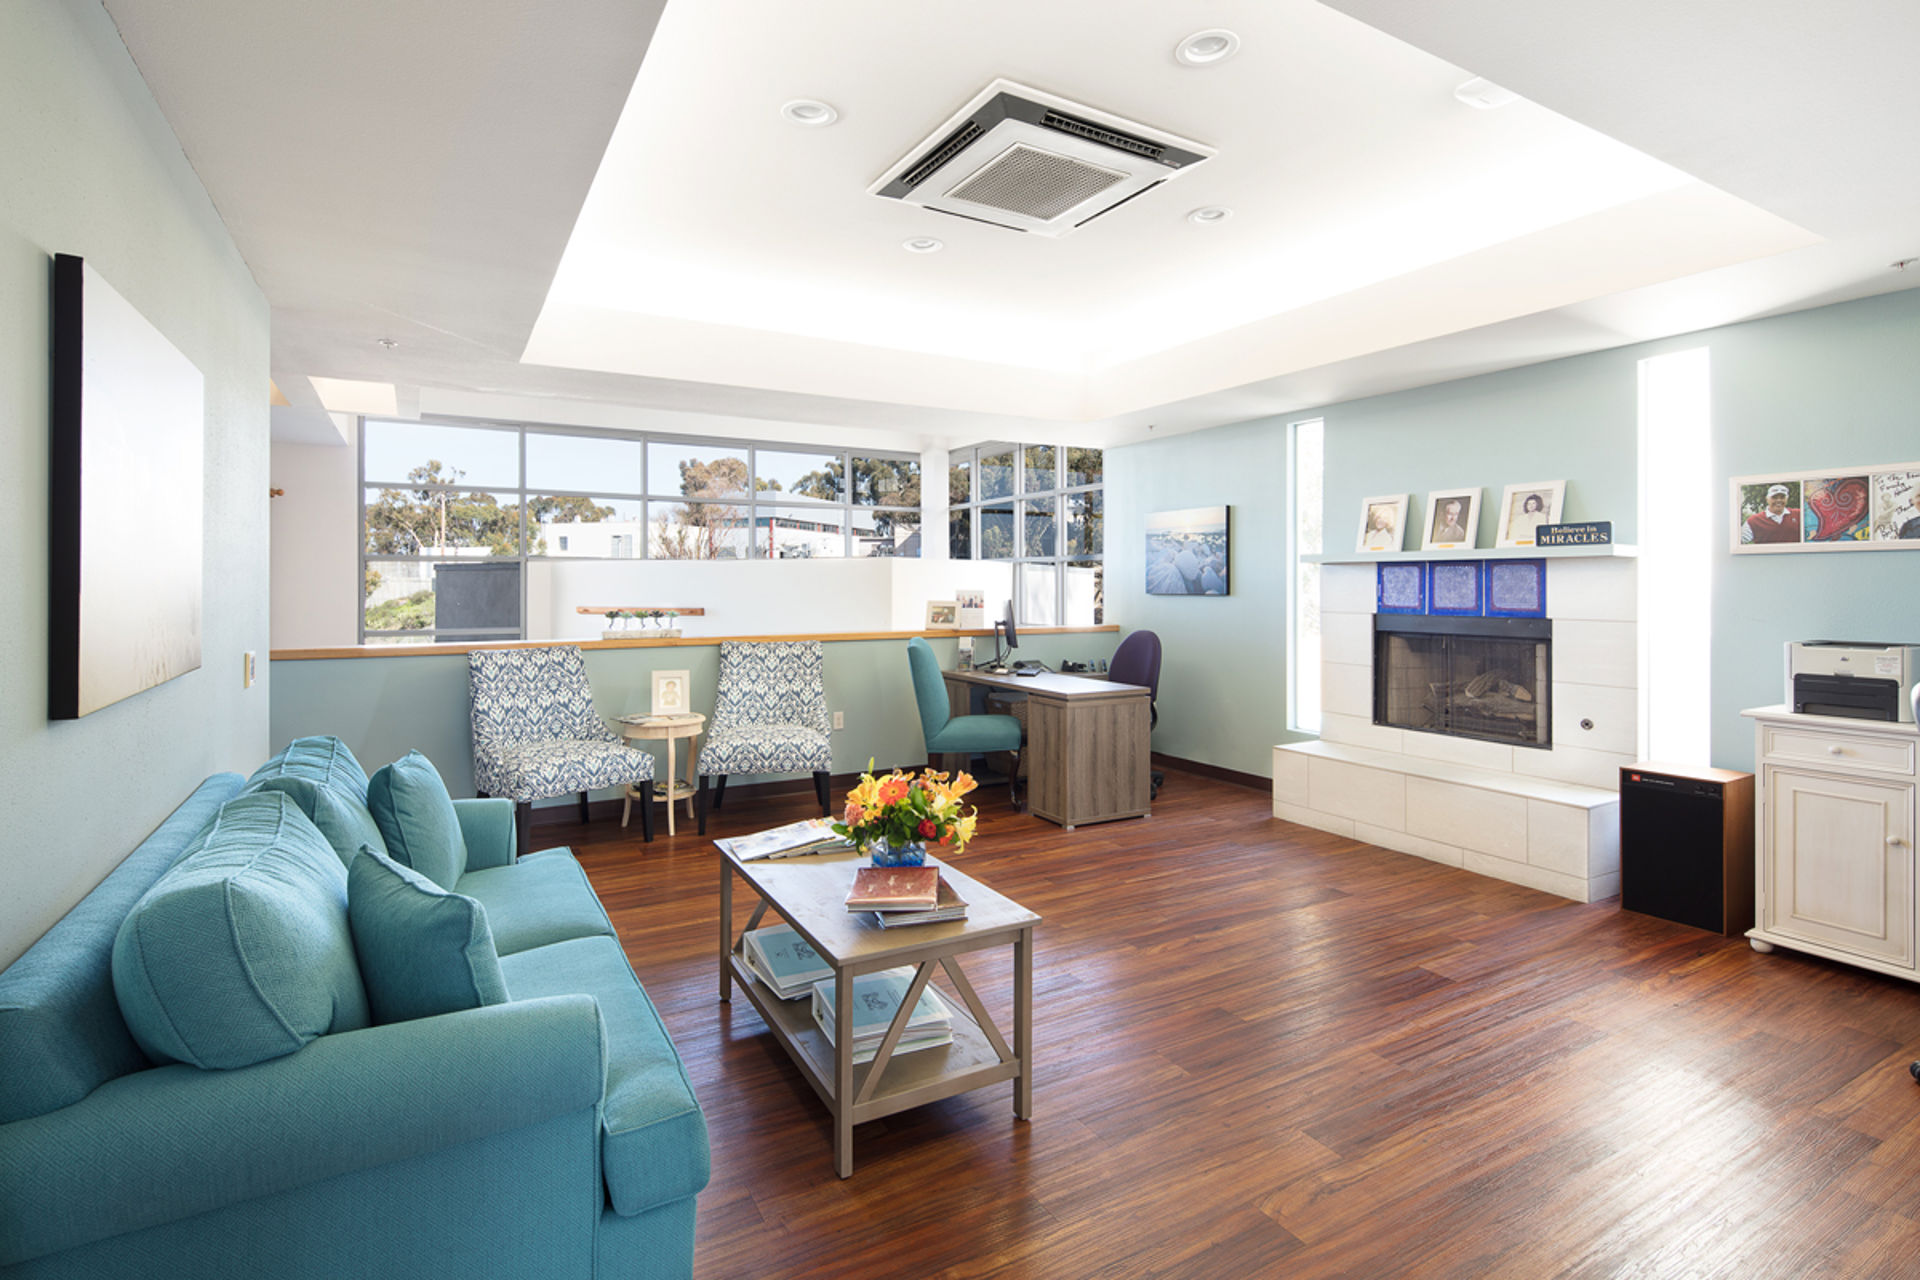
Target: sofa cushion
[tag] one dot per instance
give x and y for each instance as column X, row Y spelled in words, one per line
column 241, row 952
column 61, row 1033
column 654, row 1140
column 330, row 787
column 414, row 812
column 422, row 951
column 542, row 898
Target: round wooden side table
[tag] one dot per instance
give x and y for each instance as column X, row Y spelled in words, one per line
column 668, row 729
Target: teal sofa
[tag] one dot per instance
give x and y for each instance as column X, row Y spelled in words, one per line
column 548, row 1131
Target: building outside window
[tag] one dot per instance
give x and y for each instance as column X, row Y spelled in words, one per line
column 1042, row 507
column 453, row 513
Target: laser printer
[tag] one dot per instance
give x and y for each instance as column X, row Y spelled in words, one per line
column 1857, row 678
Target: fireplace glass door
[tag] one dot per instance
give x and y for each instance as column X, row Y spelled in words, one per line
column 1490, row 687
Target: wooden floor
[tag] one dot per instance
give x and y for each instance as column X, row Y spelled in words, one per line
column 1268, row 1051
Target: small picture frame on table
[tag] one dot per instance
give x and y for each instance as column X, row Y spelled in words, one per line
column 1383, row 523
column 1525, row 507
column 1453, row 520
column 943, row 615
column 671, row 695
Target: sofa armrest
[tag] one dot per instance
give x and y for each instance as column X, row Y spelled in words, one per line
column 488, row 828
column 172, row 1142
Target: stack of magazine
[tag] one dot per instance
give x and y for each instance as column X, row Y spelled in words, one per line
column 781, row 958
column 876, row 998
column 812, row 835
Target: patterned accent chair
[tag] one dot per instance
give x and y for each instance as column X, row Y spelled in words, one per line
column 535, row 733
column 769, row 716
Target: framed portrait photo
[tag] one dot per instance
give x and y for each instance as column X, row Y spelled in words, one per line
column 1453, row 520
column 1383, row 522
column 944, row 614
column 1525, row 507
column 671, row 695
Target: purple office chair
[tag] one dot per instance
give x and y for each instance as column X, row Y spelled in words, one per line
column 1137, row 661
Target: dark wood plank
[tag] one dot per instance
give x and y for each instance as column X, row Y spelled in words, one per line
column 1267, row 1050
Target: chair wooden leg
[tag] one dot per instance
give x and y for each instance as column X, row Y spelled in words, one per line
column 820, row 781
column 646, row 811
column 583, row 808
column 523, row 827
column 700, row 803
column 719, row 790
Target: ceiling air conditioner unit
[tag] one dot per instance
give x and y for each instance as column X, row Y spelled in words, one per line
column 1019, row 158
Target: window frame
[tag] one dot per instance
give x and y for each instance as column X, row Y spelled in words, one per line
column 1016, row 500
column 842, row 510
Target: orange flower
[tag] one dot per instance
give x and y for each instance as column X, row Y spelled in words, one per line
column 893, row 790
column 963, row 782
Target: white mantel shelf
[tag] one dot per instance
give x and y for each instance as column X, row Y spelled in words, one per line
column 1605, row 551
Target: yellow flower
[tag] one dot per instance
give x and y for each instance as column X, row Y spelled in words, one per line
column 963, row 782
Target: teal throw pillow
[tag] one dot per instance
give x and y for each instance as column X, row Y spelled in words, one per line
column 411, row 806
column 330, row 787
column 423, row 951
column 241, row 952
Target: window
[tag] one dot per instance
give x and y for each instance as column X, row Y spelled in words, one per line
column 442, row 498
column 1039, row 506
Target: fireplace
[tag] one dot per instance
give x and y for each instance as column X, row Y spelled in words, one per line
column 1485, row 678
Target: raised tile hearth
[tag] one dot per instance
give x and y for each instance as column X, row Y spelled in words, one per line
column 1547, row 818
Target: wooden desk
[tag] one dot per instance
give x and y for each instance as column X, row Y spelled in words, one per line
column 1086, row 752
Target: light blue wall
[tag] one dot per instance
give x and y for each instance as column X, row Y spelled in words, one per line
column 1838, row 385
column 88, row 166
column 386, row 706
column 1222, row 674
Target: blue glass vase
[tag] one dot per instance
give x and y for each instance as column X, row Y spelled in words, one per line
column 911, row 854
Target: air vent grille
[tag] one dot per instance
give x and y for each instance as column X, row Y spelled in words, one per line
column 956, row 142
column 1098, row 133
column 1035, row 183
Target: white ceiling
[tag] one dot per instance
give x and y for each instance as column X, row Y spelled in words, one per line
column 493, row 181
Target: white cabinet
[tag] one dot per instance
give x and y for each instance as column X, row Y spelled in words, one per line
column 1834, row 874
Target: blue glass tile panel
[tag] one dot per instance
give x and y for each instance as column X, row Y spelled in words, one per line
column 1517, row 588
column 1453, row 587
column 1402, row 588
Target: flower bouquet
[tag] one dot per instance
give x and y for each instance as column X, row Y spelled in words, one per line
column 895, row 818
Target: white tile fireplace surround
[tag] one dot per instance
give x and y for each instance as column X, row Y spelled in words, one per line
column 1545, row 818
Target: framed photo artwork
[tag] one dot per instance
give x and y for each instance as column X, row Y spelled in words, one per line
column 126, row 449
column 1188, row 552
column 671, row 695
column 1875, row 508
column 1525, row 507
column 943, row 614
column 973, row 608
column 1453, row 520
column 1383, row 522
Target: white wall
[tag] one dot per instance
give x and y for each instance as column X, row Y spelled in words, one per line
column 316, row 521
column 88, row 166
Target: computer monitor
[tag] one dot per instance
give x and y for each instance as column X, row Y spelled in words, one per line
column 1003, row 631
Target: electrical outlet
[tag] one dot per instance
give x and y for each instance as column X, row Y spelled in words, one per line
column 839, row 719
column 246, row 670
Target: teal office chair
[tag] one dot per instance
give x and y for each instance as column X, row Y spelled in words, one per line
column 949, row 734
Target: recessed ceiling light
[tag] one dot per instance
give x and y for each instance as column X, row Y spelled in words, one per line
column 1484, row 94
column 388, row 343
column 1211, row 213
column 1205, row 48
column 808, row 112
column 923, row 244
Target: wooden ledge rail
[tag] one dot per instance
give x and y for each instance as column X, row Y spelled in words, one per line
column 441, row 650
column 604, row 609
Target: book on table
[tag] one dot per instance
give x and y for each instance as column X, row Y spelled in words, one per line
column 782, row 960
column 894, row 889
column 876, row 998
column 950, row 906
column 810, row 835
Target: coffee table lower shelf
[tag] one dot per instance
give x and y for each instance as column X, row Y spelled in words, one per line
column 909, row 1080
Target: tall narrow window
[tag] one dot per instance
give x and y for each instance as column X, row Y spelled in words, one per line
column 1676, row 557
column 1303, row 657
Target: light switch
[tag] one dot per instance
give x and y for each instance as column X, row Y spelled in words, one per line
column 839, row 719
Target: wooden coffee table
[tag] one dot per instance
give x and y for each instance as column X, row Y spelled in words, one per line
column 809, row 893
